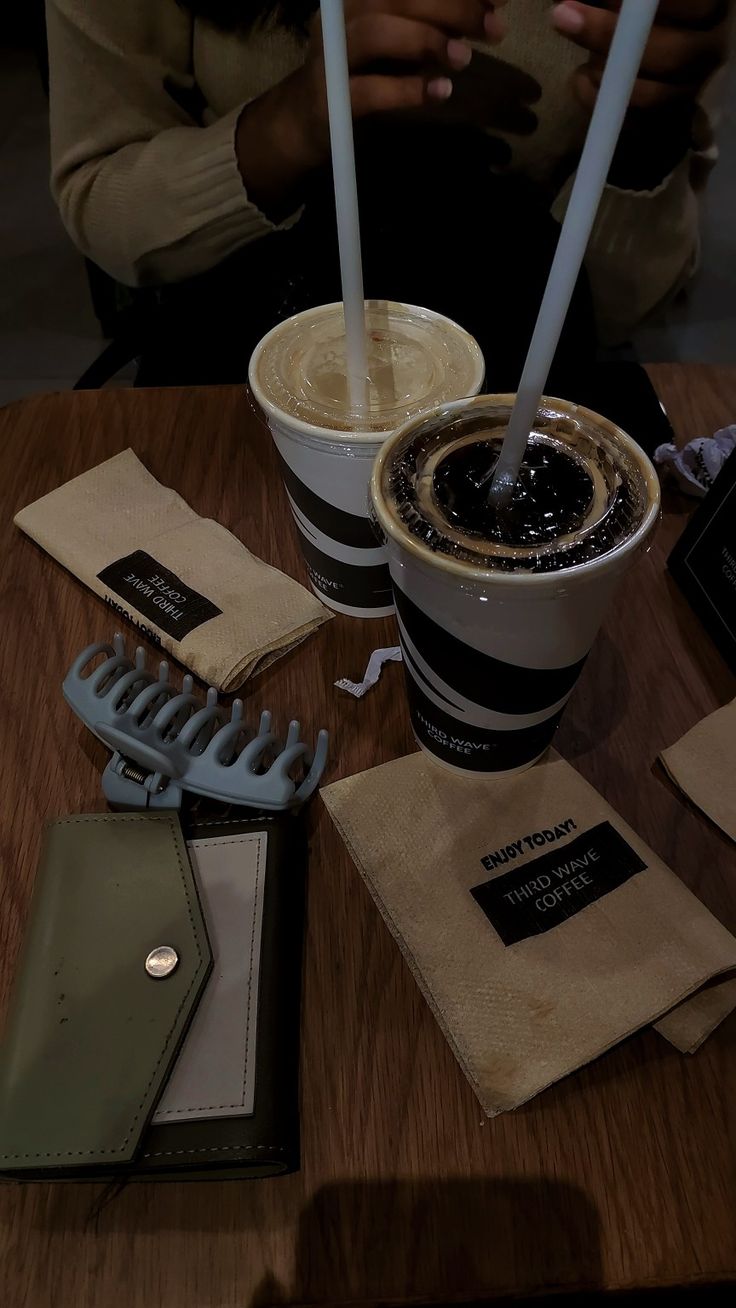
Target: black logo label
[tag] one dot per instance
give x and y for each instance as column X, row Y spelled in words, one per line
column 548, row 890
column 477, row 749
column 158, row 594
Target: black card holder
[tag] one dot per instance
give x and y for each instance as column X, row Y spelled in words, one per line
column 703, row 562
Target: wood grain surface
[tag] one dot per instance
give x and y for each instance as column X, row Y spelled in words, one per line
column 620, row 1176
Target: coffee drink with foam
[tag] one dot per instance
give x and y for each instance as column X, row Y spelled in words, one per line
column 298, row 374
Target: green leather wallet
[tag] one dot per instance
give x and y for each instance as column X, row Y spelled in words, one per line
column 106, row 1068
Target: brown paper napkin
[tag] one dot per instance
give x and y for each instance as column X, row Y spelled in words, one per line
column 184, row 579
column 703, row 765
column 538, row 925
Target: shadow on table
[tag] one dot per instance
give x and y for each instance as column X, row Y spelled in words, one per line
column 444, row 1240
column 592, row 716
column 425, row 1242
column 434, row 1240
column 456, row 1240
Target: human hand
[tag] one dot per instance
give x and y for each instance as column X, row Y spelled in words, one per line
column 402, row 54
column 688, row 42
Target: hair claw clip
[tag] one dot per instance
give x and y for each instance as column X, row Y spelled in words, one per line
column 165, row 741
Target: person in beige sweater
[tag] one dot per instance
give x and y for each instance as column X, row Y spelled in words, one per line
column 183, row 131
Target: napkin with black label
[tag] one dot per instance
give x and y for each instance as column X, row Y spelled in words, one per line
column 183, row 580
column 703, row 765
column 539, row 927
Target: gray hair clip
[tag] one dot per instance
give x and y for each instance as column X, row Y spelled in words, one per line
column 166, row 741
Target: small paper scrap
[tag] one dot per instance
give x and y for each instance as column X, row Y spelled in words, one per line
column 372, row 672
column 697, row 465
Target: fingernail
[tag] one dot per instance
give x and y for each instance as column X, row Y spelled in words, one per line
column 567, row 19
column 440, row 88
column 459, row 53
column 494, row 26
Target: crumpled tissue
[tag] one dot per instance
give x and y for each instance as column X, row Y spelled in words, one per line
column 697, row 465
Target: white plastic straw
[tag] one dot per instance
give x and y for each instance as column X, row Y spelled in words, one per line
column 632, row 32
column 346, row 197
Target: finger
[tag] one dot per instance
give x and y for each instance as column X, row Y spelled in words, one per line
column 375, row 94
column 373, row 38
column 695, row 14
column 672, row 54
column 652, row 95
column 470, row 18
column 646, row 94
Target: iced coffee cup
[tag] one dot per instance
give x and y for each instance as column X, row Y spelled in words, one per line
column 498, row 608
column 416, row 360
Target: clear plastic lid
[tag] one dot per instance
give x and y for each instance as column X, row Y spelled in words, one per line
column 416, row 360
column 584, row 488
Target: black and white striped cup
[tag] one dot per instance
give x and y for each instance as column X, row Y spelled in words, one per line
column 492, row 657
column 327, row 477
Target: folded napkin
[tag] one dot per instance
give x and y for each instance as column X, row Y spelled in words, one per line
column 538, row 925
column 185, row 580
column 703, row 765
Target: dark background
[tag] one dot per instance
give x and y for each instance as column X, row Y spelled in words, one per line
column 49, row 333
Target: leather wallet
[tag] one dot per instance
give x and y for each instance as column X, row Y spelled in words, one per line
column 154, row 1026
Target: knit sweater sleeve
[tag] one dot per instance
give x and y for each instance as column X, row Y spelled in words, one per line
column 643, row 250
column 144, row 190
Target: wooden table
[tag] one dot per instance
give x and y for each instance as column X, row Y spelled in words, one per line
column 620, row 1176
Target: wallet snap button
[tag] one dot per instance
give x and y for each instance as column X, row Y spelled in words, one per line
column 162, row 961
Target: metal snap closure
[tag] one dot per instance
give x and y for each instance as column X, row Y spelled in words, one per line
column 162, row 961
